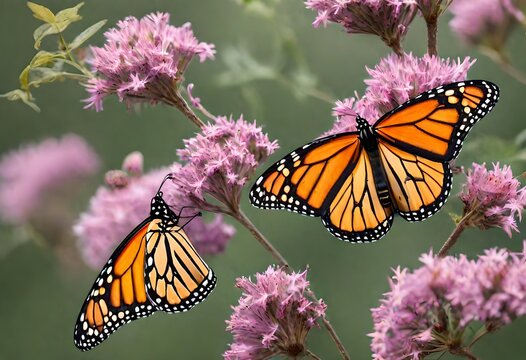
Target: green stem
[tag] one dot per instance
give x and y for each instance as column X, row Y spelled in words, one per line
column 461, row 226
column 432, row 30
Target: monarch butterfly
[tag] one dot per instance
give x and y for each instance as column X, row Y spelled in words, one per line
column 154, row 268
column 356, row 181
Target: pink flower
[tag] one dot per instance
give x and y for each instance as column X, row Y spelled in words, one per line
column 394, row 81
column 273, row 317
column 115, row 211
column 493, row 198
column 388, row 19
column 29, row 173
column 133, row 163
column 486, row 22
column 432, row 308
column 143, row 60
column 219, row 161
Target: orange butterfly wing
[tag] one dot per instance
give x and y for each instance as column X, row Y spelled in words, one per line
column 419, row 187
column 178, row 278
column 435, row 123
column 356, row 214
column 118, row 295
column 304, row 179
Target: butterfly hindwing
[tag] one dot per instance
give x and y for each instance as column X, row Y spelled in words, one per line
column 118, row 295
column 419, row 186
column 356, row 213
column 177, row 277
column 302, row 181
column 435, row 123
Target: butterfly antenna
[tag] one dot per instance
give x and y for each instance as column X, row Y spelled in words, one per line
column 191, row 218
column 181, row 211
column 169, row 176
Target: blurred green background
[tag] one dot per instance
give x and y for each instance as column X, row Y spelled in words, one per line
column 40, row 299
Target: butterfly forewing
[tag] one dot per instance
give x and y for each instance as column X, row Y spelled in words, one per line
column 302, row 180
column 118, row 295
column 177, row 277
column 435, row 123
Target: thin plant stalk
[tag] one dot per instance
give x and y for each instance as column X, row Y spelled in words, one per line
column 452, row 239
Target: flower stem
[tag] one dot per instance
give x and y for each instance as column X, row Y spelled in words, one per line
column 483, row 331
column 432, row 29
column 461, row 226
column 312, row 355
column 465, row 353
column 240, row 216
column 504, row 63
column 179, row 102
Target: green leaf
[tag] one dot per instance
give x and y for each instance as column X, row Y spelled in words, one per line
column 42, row 75
column 22, row 95
column 23, row 78
column 41, row 12
column 68, row 16
column 44, row 58
column 86, row 34
column 520, row 139
column 41, row 59
column 41, row 32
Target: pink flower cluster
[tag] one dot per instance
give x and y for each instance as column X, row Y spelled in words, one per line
column 388, row 19
column 143, row 60
column 220, row 160
column 115, row 211
column 273, row 317
column 28, row 174
column 431, row 308
column 394, row 81
column 493, row 198
column 484, row 21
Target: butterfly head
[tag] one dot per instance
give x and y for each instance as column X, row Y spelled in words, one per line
column 160, row 209
column 365, row 129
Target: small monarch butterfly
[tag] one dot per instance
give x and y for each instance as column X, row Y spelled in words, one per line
column 356, row 181
column 154, row 268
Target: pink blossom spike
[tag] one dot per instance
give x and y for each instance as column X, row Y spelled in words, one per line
column 433, row 307
column 143, row 60
column 220, row 160
column 273, row 317
column 387, row 19
column 27, row 174
column 493, row 198
column 484, row 22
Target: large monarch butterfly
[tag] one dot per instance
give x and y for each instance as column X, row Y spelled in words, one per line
column 154, row 268
column 356, row 181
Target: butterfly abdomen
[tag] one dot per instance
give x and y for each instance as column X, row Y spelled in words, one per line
column 370, row 144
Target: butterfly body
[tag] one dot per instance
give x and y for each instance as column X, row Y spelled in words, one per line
column 154, row 268
column 357, row 181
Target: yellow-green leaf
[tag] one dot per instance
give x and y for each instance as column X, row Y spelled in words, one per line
column 24, row 96
column 44, row 58
column 43, row 75
column 41, row 32
column 41, row 12
column 86, row 34
column 68, row 16
column 23, row 78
